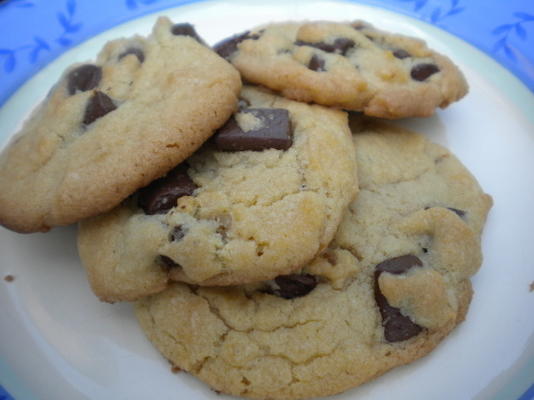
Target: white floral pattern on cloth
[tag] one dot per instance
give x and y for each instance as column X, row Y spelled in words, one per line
column 39, row 31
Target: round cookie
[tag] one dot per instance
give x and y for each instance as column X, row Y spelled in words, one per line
column 110, row 127
column 259, row 200
column 392, row 284
column 349, row 65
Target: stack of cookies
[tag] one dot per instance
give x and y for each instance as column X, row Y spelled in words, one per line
column 276, row 245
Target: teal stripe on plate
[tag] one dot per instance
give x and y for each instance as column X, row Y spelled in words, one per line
column 11, row 386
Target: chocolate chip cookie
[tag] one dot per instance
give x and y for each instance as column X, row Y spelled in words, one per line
column 393, row 283
column 111, row 126
column 260, row 199
column 349, row 65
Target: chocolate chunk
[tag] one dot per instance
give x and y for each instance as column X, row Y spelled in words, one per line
column 316, row 63
column 186, row 30
column 401, row 53
column 167, row 263
column 294, row 285
column 98, row 105
column 161, row 195
column 177, row 234
column 274, row 132
column 420, row 72
column 398, row 265
column 135, row 51
column 228, row 46
column 340, row 45
column 85, row 77
column 397, row 327
column 460, row 213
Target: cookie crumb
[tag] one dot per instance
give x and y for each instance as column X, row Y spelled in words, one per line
column 175, row 369
column 531, row 287
column 9, row 278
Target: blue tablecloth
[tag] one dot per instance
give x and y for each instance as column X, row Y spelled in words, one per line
column 33, row 32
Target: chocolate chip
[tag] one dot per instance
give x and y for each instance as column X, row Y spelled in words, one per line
column 177, row 234
column 294, row 285
column 98, row 105
column 85, row 77
column 401, row 53
column 397, row 327
column 186, row 29
column 135, row 51
column 167, row 263
column 343, row 45
column 274, row 132
column 420, row 72
column 398, row 265
column 162, row 194
column 227, row 47
column 316, row 63
column 460, row 213
column 340, row 45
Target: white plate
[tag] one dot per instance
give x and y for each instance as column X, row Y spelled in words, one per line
column 59, row 342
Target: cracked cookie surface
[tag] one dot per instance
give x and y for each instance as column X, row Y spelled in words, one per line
column 349, row 65
column 393, row 283
column 112, row 126
column 231, row 216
